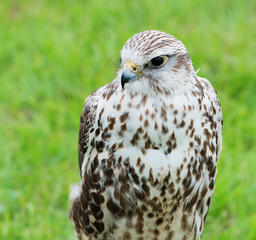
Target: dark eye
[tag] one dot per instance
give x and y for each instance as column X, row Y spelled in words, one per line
column 158, row 61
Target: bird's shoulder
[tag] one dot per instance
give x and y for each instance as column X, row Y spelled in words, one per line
column 210, row 97
column 88, row 117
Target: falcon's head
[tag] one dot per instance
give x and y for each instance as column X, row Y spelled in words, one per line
column 155, row 62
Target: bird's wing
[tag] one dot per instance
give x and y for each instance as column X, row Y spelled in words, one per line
column 87, row 121
column 88, row 118
column 207, row 85
column 217, row 112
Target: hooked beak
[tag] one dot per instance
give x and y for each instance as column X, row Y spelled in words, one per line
column 130, row 73
column 128, row 76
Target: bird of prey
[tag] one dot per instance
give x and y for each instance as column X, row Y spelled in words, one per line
column 149, row 143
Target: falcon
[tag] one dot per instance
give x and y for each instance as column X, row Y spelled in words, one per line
column 149, row 143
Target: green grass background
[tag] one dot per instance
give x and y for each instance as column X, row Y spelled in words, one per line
column 53, row 54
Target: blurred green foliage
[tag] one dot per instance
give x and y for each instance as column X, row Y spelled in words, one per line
column 53, row 54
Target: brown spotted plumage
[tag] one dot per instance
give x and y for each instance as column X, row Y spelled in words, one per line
column 149, row 143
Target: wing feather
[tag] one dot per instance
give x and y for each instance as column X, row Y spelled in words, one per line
column 87, row 121
column 88, row 118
